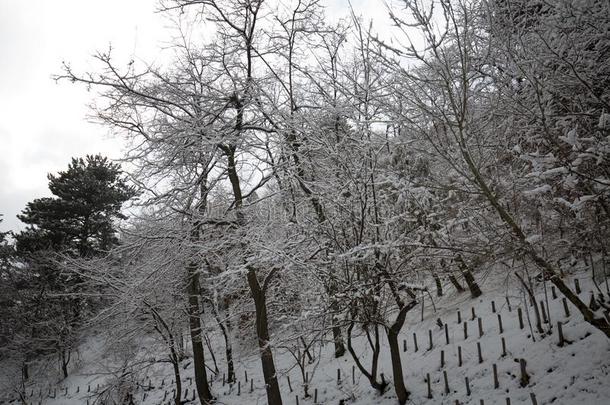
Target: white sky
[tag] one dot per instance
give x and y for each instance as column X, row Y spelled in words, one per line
column 42, row 123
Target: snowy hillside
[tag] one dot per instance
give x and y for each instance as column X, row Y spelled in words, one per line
column 489, row 358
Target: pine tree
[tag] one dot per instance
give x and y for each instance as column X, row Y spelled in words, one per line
column 79, row 219
column 78, row 222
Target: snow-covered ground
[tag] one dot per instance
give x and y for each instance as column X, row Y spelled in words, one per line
column 577, row 373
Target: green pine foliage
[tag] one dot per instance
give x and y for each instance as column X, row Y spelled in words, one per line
column 80, row 219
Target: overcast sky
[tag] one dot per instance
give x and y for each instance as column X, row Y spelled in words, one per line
column 42, row 123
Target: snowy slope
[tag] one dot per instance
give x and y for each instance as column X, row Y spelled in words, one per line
column 577, row 373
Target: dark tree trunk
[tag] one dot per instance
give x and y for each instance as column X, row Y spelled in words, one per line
column 456, row 283
column 532, row 298
column 224, row 328
column 439, row 285
column 176, row 367
column 65, row 360
column 262, row 331
column 338, row 341
column 549, row 271
column 201, row 378
column 336, row 329
column 392, row 333
column 370, row 375
column 475, row 290
column 25, row 372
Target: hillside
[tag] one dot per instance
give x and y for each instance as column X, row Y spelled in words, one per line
column 575, row 373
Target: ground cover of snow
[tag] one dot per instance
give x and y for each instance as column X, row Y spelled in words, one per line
column 577, row 373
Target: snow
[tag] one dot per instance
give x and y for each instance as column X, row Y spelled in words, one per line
column 577, row 373
column 545, row 188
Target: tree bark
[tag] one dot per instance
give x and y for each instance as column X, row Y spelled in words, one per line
column 456, row 283
column 598, row 322
column 262, row 331
column 439, row 285
column 201, row 378
column 372, row 375
column 392, row 333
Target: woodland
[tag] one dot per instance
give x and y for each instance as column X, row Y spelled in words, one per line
column 302, row 184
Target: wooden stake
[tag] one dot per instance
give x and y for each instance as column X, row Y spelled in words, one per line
column 473, row 314
column 289, row 385
column 251, row 385
column 442, row 358
column 545, row 319
column 493, row 307
column 465, row 330
column 525, row 378
column 520, row 315
column 565, row 307
column 429, row 339
column 315, row 396
column 446, row 382
column 508, row 303
column 496, row 381
column 533, row 397
column 239, row 387
column 446, row 334
column 459, row 356
column 553, row 292
column 501, row 329
column 404, row 345
column 577, row 286
column 479, row 352
column 562, row 341
column 480, row 322
column 353, row 375
column 503, row 347
column 507, row 401
column 297, row 399
column 338, row 376
column 459, row 317
column 429, row 388
column 246, row 375
column 467, row 386
column 415, row 341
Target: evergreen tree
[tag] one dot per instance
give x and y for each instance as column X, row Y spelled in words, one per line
column 77, row 222
column 79, row 219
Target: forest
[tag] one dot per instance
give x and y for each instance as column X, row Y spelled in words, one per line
column 298, row 191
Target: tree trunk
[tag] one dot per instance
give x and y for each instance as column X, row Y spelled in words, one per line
column 65, row 360
column 262, row 331
column 201, row 378
column 372, row 375
column 549, row 271
column 456, row 283
column 439, row 285
column 176, row 366
column 228, row 347
column 392, row 332
column 338, row 341
column 475, row 290
column 336, row 329
column 25, row 372
column 532, row 297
